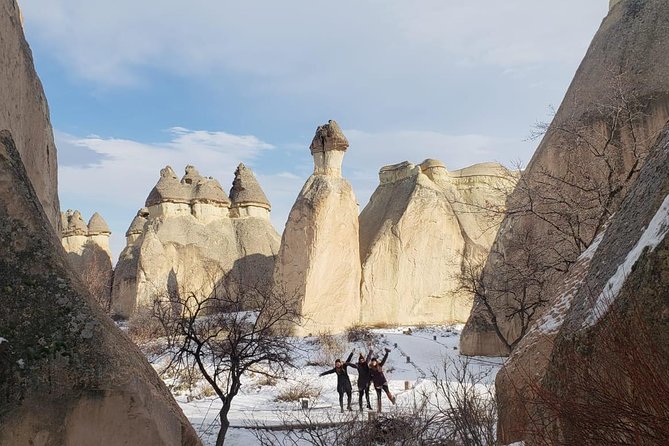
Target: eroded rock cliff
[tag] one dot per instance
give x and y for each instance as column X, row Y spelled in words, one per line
column 583, row 168
column 25, row 112
column 422, row 226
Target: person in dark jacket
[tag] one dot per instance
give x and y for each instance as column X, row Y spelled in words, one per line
column 343, row 381
column 364, row 378
column 379, row 380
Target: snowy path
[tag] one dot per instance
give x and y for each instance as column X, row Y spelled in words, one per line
column 257, row 405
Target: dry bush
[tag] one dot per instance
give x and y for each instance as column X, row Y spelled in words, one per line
column 364, row 335
column 298, row 392
column 266, row 381
column 144, row 327
column 331, row 348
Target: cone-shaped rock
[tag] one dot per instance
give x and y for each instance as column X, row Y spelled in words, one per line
column 319, row 258
column 246, row 190
column 188, row 239
column 591, row 154
column 98, row 225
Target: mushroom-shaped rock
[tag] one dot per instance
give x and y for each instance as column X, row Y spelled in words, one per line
column 208, row 190
column 168, row 189
column 328, row 148
column 98, row 225
column 75, row 224
column 329, row 137
column 192, row 176
column 246, row 190
column 137, row 225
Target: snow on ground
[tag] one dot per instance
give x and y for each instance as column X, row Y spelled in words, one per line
column 257, row 403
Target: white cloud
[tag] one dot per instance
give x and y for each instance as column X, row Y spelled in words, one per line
column 302, row 45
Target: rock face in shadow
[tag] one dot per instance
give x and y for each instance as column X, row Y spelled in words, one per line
column 602, row 349
column 319, row 259
column 68, row 376
column 612, row 113
column 420, row 227
column 25, row 112
column 191, row 235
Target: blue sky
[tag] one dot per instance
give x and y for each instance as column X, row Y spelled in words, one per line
column 133, row 86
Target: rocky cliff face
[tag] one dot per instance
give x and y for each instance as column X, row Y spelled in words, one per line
column 594, row 368
column 25, row 112
column 319, row 258
column 421, row 226
column 68, row 376
column 191, row 235
column 590, row 156
column 87, row 248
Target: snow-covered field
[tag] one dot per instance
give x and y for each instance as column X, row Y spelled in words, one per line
column 257, row 403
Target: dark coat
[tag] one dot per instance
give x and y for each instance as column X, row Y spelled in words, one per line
column 343, row 381
column 364, row 374
column 378, row 378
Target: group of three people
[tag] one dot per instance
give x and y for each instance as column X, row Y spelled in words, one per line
column 370, row 370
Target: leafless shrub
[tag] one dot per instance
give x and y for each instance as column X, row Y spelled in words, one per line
column 298, row 392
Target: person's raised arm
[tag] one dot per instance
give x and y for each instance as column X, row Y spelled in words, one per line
column 350, row 356
column 328, row 372
column 383, row 361
column 369, row 355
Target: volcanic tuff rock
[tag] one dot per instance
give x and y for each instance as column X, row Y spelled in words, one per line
column 87, row 248
column 612, row 321
column 625, row 73
column 319, row 258
column 190, row 236
column 68, row 376
column 25, row 111
column 419, row 228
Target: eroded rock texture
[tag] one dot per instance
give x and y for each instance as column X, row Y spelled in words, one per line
column 594, row 369
column 319, row 258
column 24, row 111
column 68, row 376
column 583, row 168
column 190, row 236
column 421, row 226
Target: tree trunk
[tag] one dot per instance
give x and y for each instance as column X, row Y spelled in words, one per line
column 225, row 424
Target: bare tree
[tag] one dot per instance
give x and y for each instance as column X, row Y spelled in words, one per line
column 558, row 208
column 216, row 336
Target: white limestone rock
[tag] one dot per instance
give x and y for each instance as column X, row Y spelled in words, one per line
column 419, row 227
column 319, row 258
column 187, row 239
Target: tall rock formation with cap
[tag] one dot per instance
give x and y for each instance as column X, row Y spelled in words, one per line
column 583, row 168
column 319, row 258
column 422, row 226
column 191, row 235
column 87, row 248
column 68, row 376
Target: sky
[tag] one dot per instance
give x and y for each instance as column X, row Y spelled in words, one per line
column 136, row 85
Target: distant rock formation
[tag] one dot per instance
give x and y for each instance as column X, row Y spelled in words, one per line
column 583, row 168
column 190, row 235
column 87, row 248
column 319, row 258
column 30, row 126
column 419, row 228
